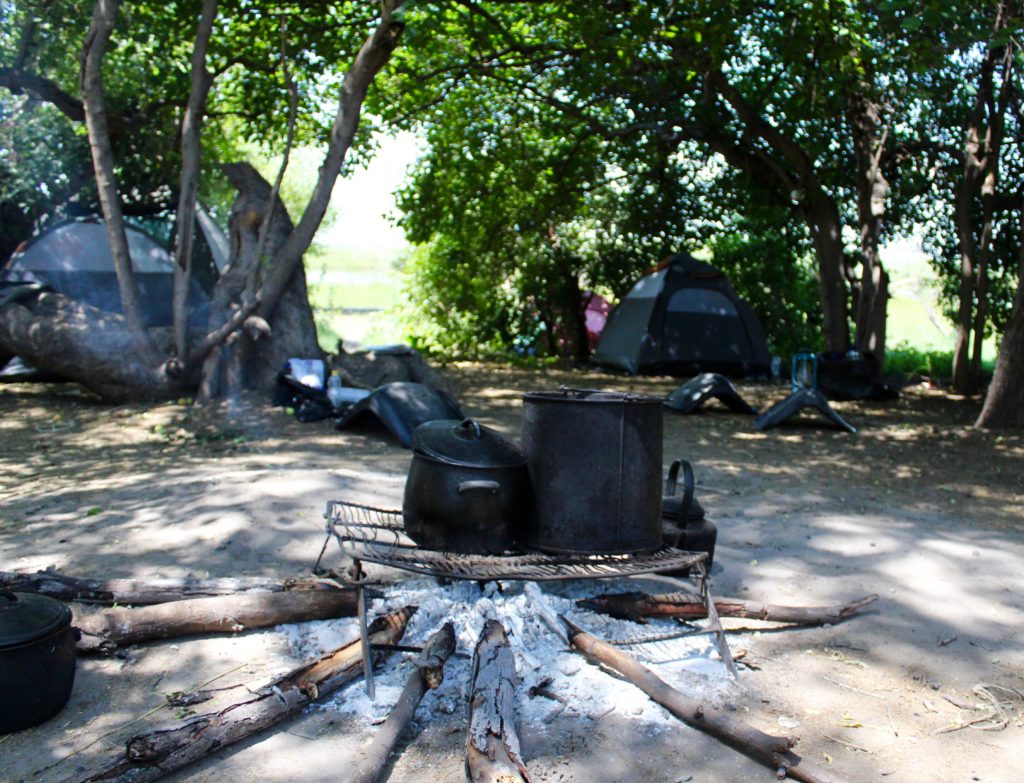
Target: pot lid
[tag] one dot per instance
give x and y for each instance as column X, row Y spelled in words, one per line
column 26, row 617
column 467, row 443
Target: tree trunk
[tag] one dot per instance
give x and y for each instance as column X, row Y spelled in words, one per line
column 251, row 358
column 826, row 230
column 103, row 18
column 1004, row 402
column 96, row 348
column 190, row 167
column 872, row 192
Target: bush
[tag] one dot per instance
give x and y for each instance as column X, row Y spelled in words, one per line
column 905, row 359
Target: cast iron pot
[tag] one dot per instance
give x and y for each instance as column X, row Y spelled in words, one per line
column 467, row 490
column 37, row 659
column 595, row 461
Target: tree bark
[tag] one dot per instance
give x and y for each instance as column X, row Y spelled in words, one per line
column 872, row 192
column 188, row 187
column 770, row 750
column 109, row 629
column 1004, row 401
column 492, row 746
column 789, row 169
column 373, row 55
column 686, row 606
column 98, row 349
column 104, row 17
column 157, row 753
column 982, row 143
column 428, row 674
column 145, row 592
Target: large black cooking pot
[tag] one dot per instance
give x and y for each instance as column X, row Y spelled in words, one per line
column 594, row 459
column 467, row 490
column 37, row 659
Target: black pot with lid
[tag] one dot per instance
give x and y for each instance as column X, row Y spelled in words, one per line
column 37, row 659
column 467, row 491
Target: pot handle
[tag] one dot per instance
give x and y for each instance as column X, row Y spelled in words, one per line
column 468, row 486
column 673, row 479
column 469, row 428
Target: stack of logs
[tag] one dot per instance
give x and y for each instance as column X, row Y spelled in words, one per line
column 167, row 608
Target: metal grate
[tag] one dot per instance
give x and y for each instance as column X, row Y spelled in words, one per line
column 377, row 535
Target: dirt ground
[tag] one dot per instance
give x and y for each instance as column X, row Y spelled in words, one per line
column 916, row 507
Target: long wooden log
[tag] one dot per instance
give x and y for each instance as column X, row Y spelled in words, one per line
column 772, row 751
column 109, row 629
column 428, row 674
column 687, row 606
column 142, row 592
column 492, row 746
column 154, row 754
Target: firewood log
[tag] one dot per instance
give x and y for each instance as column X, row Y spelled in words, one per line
column 428, row 674
column 492, row 745
column 140, row 592
column 109, row 629
column 156, row 753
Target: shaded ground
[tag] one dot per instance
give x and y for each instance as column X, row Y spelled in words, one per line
column 916, row 507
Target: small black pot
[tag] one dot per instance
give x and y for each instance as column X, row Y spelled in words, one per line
column 467, row 491
column 37, row 659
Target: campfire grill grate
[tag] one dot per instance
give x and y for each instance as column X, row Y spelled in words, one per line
column 376, row 535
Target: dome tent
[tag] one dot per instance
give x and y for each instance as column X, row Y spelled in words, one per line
column 74, row 259
column 682, row 318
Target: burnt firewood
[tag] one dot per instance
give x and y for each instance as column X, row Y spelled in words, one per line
column 428, row 674
column 687, row 606
column 771, row 750
column 109, row 629
column 492, row 746
column 152, row 755
column 142, row 592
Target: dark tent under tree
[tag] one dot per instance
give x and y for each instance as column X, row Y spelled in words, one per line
column 682, row 318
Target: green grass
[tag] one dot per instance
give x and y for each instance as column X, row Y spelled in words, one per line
column 342, row 278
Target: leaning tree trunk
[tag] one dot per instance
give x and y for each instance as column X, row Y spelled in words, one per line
column 96, row 348
column 91, row 83
column 188, row 188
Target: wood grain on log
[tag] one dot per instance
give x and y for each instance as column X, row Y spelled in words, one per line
column 768, row 749
column 142, row 592
column 154, row 754
column 428, row 674
column 687, row 606
column 109, row 629
column 492, row 745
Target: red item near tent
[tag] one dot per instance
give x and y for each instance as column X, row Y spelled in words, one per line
column 596, row 317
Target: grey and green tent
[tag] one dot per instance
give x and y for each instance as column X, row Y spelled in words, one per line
column 682, row 318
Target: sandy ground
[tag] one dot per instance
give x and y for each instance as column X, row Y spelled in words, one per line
column 917, row 507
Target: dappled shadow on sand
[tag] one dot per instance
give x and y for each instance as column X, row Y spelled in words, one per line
column 917, row 507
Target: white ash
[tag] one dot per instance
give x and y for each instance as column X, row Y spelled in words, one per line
column 690, row 664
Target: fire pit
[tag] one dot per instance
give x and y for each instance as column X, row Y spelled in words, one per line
column 376, row 535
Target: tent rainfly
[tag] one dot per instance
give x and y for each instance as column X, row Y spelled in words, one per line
column 74, row 259
column 682, row 318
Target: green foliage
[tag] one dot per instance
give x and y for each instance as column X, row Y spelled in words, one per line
column 905, row 359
